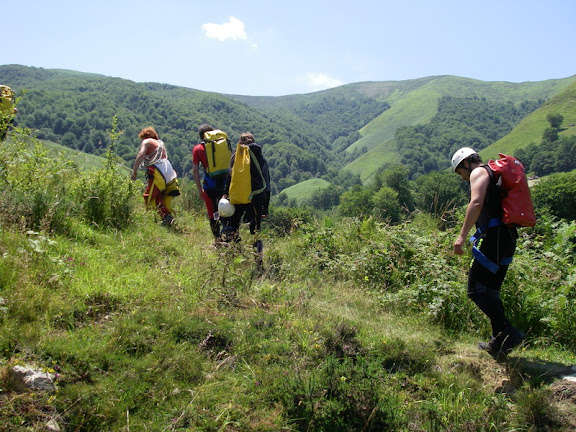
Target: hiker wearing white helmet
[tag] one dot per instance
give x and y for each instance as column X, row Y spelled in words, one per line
column 491, row 259
column 460, row 155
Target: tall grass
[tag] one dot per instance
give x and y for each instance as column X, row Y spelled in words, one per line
column 43, row 190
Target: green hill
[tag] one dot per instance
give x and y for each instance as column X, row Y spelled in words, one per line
column 411, row 102
column 304, row 190
column 76, row 109
column 420, row 105
column 530, row 129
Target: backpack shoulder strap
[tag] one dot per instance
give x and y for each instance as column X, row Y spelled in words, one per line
column 491, row 174
column 254, row 159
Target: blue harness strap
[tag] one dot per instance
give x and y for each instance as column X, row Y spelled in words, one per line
column 479, row 256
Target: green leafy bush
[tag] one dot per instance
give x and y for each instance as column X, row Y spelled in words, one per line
column 34, row 183
column 557, row 194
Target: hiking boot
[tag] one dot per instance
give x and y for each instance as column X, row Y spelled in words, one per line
column 512, row 338
column 258, row 246
column 168, row 220
column 490, row 346
column 215, row 227
column 501, row 345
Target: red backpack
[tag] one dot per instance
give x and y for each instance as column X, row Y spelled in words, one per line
column 517, row 208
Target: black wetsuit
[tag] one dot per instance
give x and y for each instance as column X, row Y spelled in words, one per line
column 498, row 245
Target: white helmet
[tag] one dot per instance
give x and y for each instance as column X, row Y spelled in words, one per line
column 225, row 208
column 460, row 155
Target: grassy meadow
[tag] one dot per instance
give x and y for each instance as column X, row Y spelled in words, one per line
column 303, row 191
column 351, row 325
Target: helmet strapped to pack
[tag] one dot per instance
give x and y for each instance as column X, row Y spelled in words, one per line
column 225, row 208
column 460, row 155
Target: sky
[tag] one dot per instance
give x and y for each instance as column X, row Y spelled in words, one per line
column 274, row 48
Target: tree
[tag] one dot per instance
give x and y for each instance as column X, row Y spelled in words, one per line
column 543, row 163
column 69, row 140
column 386, row 206
column 555, row 120
column 440, row 191
column 325, row 198
column 550, row 135
column 357, row 202
column 397, row 178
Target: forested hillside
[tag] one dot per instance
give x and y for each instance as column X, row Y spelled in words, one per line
column 76, row 109
column 546, row 139
column 471, row 122
column 363, row 128
column 338, row 116
column 418, row 106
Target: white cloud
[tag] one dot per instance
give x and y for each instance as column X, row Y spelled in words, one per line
column 233, row 29
column 320, row 81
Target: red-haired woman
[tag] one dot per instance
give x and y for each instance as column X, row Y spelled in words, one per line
column 162, row 184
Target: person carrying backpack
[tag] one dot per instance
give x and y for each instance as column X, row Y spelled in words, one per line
column 213, row 152
column 7, row 110
column 492, row 258
column 248, row 189
column 162, row 184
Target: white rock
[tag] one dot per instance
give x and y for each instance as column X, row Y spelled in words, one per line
column 25, row 378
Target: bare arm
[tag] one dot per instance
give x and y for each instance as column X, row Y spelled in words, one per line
column 196, row 175
column 139, row 158
column 479, row 181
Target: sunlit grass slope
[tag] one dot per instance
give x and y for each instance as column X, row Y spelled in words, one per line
column 84, row 160
column 304, row 190
column 419, row 105
column 157, row 329
column 531, row 129
column 368, row 163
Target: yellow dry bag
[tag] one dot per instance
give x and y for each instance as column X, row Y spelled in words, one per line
column 7, row 98
column 218, row 152
column 241, row 181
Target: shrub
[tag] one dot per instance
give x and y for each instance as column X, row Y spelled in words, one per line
column 285, row 220
column 341, row 395
column 34, row 185
column 106, row 195
column 557, row 194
